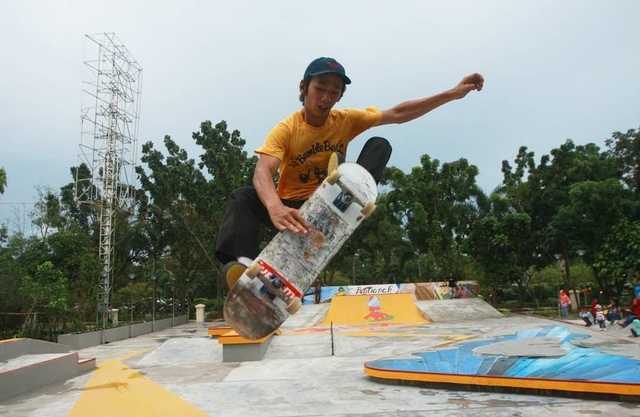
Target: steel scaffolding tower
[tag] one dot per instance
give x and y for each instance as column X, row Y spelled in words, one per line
column 108, row 141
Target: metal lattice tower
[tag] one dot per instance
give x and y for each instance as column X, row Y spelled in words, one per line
column 111, row 91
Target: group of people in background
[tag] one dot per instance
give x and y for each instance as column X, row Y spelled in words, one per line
column 611, row 313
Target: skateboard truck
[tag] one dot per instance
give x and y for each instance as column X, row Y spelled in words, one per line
column 274, row 288
column 345, row 198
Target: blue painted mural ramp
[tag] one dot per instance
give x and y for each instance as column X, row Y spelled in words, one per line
column 580, row 372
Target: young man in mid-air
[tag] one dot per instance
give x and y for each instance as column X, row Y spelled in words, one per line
column 301, row 149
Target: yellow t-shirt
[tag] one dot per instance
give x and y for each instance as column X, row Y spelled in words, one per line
column 304, row 150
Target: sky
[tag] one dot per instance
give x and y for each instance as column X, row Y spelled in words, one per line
column 553, row 71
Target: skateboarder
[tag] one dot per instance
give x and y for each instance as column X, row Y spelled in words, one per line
column 303, row 149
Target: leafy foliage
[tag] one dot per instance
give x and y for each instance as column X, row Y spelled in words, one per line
column 185, row 205
column 438, row 206
column 3, row 180
column 619, row 256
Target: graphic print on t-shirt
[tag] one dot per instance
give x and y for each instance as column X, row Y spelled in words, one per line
column 311, row 165
column 313, row 173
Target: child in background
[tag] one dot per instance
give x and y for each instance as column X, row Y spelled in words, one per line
column 600, row 318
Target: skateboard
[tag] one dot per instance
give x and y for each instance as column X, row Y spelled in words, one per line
column 272, row 287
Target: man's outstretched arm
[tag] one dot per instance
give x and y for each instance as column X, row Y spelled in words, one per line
column 410, row 110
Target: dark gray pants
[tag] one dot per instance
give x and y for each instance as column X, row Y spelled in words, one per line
column 239, row 231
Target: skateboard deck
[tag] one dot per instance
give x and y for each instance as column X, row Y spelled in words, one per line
column 273, row 286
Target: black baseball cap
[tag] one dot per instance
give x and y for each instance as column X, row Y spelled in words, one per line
column 326, row 65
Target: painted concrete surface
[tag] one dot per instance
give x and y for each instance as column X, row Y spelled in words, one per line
column 367, row 309
column 182, row 367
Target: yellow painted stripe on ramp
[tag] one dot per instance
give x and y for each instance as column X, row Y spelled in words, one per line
column 361, row 309
column 117, row 390
column 17, row 339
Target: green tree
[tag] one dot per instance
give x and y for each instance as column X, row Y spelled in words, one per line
column 3, row 180
column 505, row 246
column 378, row 252
column 11, row 271
column 618, row 261
column 47, row 214
column 4, row 231
column 593, row 209
column 186, row 205
column 75, row 255
column 625, row 150
column 46, row 289
column 437, row 205
column 544, row 192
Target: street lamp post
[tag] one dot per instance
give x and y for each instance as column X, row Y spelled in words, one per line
column 173, row 301
column 186, row 289
column 153, row 305
column 356, row 259
column 581, row 253
column 131, row 277
column 559, row 265
column 105, row 314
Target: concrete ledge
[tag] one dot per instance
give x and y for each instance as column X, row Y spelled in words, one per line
column 236, row 348
column 84, row 340
column 458, row 310
column 12, row 348
column 35, row 375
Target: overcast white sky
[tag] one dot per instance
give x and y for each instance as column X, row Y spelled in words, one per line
column 553, row 69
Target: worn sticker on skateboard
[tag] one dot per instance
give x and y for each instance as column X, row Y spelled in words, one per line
column 342, row 201
column 289, row 289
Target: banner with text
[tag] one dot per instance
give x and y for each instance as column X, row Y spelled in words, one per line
column 420, row 290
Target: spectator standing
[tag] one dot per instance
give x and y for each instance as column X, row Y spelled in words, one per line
column 565, row 302
column 317, row 291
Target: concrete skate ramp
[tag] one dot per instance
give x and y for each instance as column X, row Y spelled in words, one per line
column 368, row 309
column 458, row 310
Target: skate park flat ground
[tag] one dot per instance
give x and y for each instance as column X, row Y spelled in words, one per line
column 180, row 372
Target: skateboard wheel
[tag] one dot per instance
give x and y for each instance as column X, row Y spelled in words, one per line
column 334, row 177
column 368, row 209
column 232, row 273
column 253, row 270
column 293, row 306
